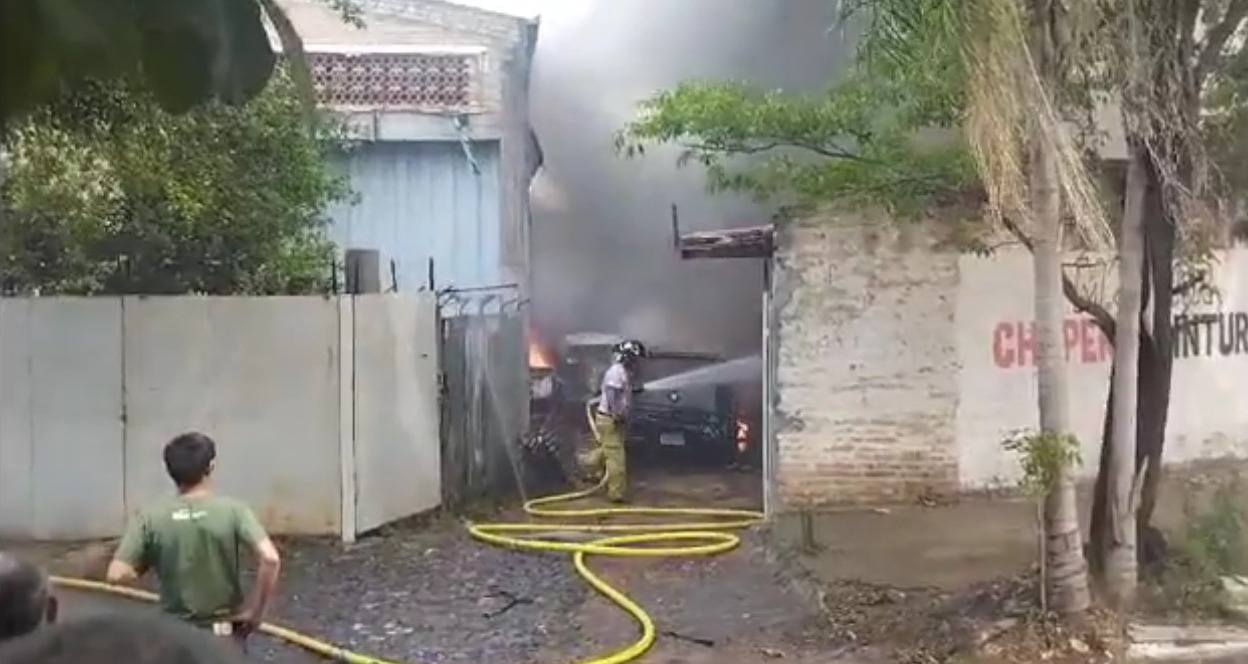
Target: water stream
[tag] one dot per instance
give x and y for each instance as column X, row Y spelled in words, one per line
column 741, row 370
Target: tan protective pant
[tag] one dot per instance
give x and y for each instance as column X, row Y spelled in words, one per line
column 608, row 453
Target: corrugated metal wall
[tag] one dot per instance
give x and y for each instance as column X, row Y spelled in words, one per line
column 420, row 200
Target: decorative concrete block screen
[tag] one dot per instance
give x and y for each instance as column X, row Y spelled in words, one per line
column 324, row 409
column 394, row 80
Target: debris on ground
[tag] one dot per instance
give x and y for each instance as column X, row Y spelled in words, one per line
column 996, row 622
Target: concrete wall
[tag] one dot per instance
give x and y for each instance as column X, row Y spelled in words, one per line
column 997, row 386
column 901, row 367
column 62, row 436
column 398, row 469
column 317, row 440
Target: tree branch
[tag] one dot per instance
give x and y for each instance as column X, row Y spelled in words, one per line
column 1217, row 37
column 768, row 143
column 1100, row 316
column 1188, row 284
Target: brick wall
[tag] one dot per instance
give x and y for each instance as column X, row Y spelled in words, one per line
column 866, row 366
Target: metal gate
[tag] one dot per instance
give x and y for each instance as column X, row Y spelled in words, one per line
column 485, row 393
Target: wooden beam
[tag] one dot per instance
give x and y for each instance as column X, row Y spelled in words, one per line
column 753, row 242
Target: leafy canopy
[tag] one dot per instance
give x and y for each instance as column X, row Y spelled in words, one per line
column 106, row 192
column 887, row 135
column 895, row 131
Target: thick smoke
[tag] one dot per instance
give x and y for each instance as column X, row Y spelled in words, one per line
column 602, row 243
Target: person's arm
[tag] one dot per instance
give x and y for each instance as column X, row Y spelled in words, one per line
column 130, row 559
column 269, row 562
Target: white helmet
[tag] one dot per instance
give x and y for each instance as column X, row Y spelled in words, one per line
column 628, row 350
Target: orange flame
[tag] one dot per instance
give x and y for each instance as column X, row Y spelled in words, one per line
column 540, row 358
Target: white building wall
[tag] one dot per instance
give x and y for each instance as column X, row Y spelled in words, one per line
column 902, row 366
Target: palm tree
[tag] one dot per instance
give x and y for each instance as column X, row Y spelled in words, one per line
column 1008, row 54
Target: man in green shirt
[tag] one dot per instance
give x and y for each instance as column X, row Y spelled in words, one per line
column 194, row 542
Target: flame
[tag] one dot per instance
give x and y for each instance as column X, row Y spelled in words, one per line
column 540, row 358
column 743, row 435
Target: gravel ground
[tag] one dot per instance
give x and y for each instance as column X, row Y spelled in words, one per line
column 432, row 596
column 726, row 609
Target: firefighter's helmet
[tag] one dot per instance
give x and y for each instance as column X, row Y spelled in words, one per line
column 629, row 350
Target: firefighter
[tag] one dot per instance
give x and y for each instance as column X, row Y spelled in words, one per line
column 610, row 413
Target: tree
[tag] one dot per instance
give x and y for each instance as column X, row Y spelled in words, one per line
column 108, row 193
column 1173, row 51
column 1224, row 131
column 1068, row 585
column 1185, row 55
column 187, row 53
column 1225, row 128
column 924, row 65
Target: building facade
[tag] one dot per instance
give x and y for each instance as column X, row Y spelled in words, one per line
column 895, row 366
column 435, row 99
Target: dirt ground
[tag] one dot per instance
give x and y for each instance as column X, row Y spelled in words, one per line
column 431, row 594
column 956, row 545
column 948, row 574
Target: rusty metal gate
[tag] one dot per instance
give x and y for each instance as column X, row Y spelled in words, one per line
column 485, row 393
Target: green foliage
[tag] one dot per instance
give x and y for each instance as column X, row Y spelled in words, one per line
column 850, row 144
column 1211, row 544
column 1043, row 457
column 888, row 135
column 108, row 193
column 1226, row 129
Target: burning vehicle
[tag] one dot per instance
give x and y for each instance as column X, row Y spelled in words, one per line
column 699, row 423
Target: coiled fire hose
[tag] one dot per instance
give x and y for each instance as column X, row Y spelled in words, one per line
column 709, row 532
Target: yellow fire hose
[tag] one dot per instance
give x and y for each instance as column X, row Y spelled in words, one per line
column 710, row 536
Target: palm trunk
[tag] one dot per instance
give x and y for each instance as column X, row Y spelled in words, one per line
column 1121, row 569
column 1067, row 572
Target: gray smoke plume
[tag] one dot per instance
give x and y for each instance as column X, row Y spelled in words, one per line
column 602, row 243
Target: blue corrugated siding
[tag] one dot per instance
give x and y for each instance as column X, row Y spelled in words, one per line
column 422, row 200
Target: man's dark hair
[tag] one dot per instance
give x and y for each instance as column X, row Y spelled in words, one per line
column 116, row 638
column 188, row 458
column 24, row 597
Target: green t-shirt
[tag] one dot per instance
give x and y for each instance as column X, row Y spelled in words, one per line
column 195, row 546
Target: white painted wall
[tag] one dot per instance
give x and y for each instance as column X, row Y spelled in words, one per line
column 90, row 390
column 398, row 465
column 61, row 428
column 997, row 394
column 897, row 365
column 259, row 375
